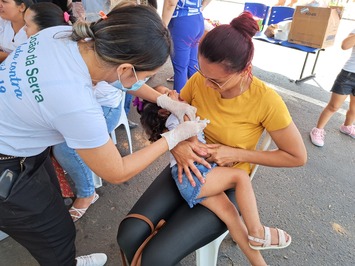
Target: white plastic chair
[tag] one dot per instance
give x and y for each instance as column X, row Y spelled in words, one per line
column 208, row 254
column 123, row 120
column 3, row 235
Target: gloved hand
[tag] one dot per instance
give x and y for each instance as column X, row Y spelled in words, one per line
column 184, row 131
column 179, row 109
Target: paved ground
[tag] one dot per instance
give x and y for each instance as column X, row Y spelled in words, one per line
column 314, row 203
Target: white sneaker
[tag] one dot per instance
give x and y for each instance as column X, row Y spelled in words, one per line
column 95, row 259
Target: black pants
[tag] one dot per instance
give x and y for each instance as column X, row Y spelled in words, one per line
column 34, row 213
column 186, row 229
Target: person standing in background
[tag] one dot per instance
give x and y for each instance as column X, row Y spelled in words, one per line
column 344, row 86
column 186, row 24
column 12, row 23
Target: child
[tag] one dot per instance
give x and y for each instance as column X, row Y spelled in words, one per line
column 155, row 121
column 343, row 86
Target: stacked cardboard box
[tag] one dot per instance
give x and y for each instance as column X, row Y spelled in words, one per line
column 315, row 26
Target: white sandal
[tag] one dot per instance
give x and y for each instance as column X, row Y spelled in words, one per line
column 266, row 243
column 76, row 213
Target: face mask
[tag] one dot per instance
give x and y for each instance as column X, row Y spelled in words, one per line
column 136, row 86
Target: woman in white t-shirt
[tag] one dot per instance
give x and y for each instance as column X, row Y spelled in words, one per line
column 38, row 17
column 47, row 97
column 12, row 32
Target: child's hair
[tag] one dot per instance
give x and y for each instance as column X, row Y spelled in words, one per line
column 153, row 120
column 47, row 14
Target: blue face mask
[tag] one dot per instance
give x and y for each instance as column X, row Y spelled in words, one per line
column 136, row 86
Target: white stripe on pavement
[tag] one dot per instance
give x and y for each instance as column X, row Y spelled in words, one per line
column 304, row 98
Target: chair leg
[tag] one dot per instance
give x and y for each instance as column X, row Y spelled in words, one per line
column 208, row 254
column 113, row 136
column 128, row 131
column 3, row 235
column 97, row 180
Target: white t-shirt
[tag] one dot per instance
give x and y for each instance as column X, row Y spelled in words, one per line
column 8, row 40
column 350, row 64
column 46, row 97
column 108, row 95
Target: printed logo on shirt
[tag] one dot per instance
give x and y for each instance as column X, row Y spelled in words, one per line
column 14, row 79
column 32, row 73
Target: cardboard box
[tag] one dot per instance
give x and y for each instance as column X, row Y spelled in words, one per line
column 315, row 26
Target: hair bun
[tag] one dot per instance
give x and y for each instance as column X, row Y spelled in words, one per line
column 245, row 24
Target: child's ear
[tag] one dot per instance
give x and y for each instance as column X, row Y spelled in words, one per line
column 163, row 113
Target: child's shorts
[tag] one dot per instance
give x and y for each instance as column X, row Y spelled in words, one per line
column 187, row 191
column 344, row 84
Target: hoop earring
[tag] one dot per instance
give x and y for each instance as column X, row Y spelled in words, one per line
column 241, row 87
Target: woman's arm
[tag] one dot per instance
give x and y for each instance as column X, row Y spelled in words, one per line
column 168, row 10
column 186, row 153
column 291, row 151
column 179, row 109
column 147, row 93
column 107, row 162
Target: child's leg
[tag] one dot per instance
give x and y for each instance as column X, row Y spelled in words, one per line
column 226, row 211
column 220, row 179
column 223, row 178
column 350, row 114
column 334, row 104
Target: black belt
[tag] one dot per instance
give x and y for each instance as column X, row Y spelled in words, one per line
column 349, row 73
column 6, row 157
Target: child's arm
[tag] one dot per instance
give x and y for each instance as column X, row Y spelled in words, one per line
column 348, row 42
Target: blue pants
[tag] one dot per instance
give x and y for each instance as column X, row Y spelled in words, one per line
column 127, row 103
column 186, row 33
column 71, row 162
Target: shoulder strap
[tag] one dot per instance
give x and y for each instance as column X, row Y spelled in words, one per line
column 136, row 261
column 142, row 217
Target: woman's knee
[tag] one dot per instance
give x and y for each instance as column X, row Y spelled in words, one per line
column 131, row 234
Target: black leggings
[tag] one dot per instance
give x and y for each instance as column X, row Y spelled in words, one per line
column 186, row 229
column 34, row 213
